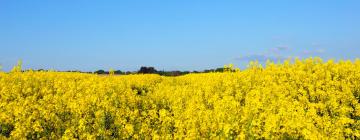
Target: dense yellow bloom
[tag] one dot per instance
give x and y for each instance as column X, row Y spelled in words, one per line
column 304, row 99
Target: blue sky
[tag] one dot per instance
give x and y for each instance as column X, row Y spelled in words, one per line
column 173, row 35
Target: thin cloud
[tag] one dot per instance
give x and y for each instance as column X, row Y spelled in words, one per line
column 273, row 54
column 280, row 48
column 276, row 37
column 313, row 52
column 260, row 58
column 315, row 44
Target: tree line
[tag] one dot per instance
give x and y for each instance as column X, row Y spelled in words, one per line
column 142, row 70
column 152, row 70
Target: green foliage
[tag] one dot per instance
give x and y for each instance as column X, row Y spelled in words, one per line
column 5, row 129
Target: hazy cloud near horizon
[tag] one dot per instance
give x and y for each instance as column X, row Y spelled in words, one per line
column 280, row 53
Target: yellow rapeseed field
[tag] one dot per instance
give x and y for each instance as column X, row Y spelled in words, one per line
column 304, row 99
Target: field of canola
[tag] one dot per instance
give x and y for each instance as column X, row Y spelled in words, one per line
column 305, row 99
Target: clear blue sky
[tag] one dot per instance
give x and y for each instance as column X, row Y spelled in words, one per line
column 173, row 34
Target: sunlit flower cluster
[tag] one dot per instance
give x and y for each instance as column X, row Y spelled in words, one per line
column 300, row 99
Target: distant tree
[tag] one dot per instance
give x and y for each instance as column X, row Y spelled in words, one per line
column 147, row 70
column 185, row 72
column 175, row 73
column 219, row 70
column 128, row 72
column 100, row 72
column 210, row 70
column 118, row 72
